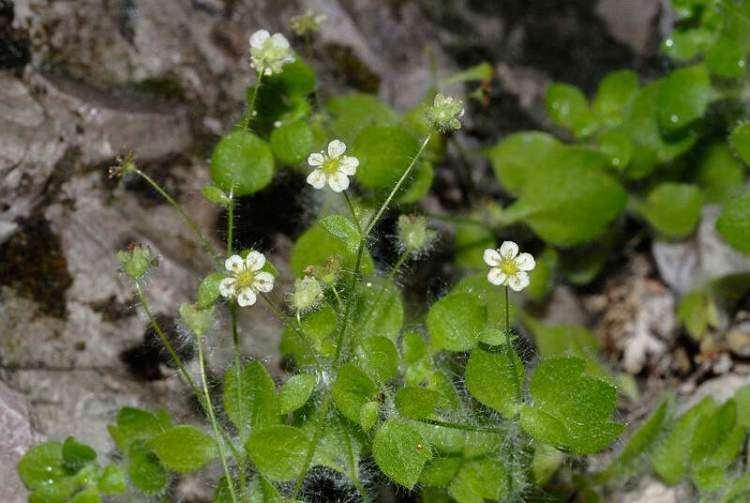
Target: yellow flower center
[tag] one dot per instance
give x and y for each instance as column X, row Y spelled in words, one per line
column 245, row 278
column 509, row 267
column 330, row 165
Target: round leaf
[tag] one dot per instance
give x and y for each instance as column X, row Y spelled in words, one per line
column 184, row 448
column 278, row 452
column 384, row 153
column 456, row 321
column 400, row 452
column 242, row 163
column 733, row 223
column 684, row 97
column 568, row 107
column 740, row 141
column 491, row 379
column 295, row 392
column 673, row 209
column 291, row 143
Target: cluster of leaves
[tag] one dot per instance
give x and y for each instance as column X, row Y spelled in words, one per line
column 442, row 400
column 702, row 444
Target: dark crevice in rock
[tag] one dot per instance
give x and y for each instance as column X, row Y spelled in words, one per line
column 277, row 209
column 112, row 310
column 32, row 262
column 351, row 70
column 15, row 45
column 125, row 13
column 162, row 172
column 145, row 359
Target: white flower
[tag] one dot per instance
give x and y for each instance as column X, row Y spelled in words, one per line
column 334, row 168
column 245, row 278
column 507, row 267
column 269, row 54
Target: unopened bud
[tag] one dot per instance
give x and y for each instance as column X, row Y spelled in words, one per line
column 413, row 233
column 136, row 260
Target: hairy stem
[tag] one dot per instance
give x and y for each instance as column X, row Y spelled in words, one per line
column 459, row 426
column 354, row 213
column 207, row 246
column 388, row 280
column 214, row 423
column 319, row 427
column 248, row 117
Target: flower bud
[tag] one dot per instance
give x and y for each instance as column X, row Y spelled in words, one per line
column 307, row 293
column 136, row 261
column 444, row 113
column 306, row 23
column 199, row 321
column 413, row 233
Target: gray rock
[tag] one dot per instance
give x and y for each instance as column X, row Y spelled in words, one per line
column 630, row 22
column 16, row 436
column 688, row 264
column 652, row 490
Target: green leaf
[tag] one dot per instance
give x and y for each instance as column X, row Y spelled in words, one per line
column 479, row 480
column 456, row 321
column 208, row 290
column 733, row 223
column 418, row 184
column 379, row 358
column 354, row 112
column 616, row 145
column 384, row 153
column 415, row 402
column 369, row 415
column 352, row 389
column 278, row 452
column 684, row 45
column 439, row 472
column 295, row 392
column 490, row 296
column 413, row 347
column 738, row 491
column 379, row 310
column 470, row 241
column 566, row 340
column 543, row 276
column 720, row 176
column 643, row 440
column 112, row 480
column 546, row 462
column 61, row 491
column 76, row 455
column 673, row 209
column 199, row 321
column 697, row 312
column 314, row 336
column 137, row 424
column 145, row 471
column 344, row 229
column 249, row 398
column 726, row 59
column 568, row 107
column 671, row 457
column 316, row 246
column 519, row 154
column 183, row 448
column 684, row 97
column 616, row 91
column 641, row 125
column 215, row 195
column 570, row 409
column 491, row 379
column 400, row 452
column 742, row 397
column 739, row 140
column 570, row 201
column 42, row 465
column 90, row 495
column 241, row 163
column 292, row 142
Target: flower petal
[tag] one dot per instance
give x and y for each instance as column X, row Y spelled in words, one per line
column 491, row 257
column 258, row 38
column 518, row 281
column 317, row 179
column 508, row 249
column 227, row 287
column 246, row 297
column 348, row 165
column 338, row 181
column 336, row 148
column 525, row 262
column 263, row 282
column 255, row 260
column 315, row 159
column 280, row 41
column 496, row 276
column 234, row 264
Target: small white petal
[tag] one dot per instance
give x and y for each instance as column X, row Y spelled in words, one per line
column 519, row 281
column 508, row 249
column 258, row 38
column 255, row 261
column 525, row 262
column 317, row 179
column 336, row 148
column 496, row 276
column 338, row 181
column 263, row 282
column 235, row 264
column 227, row 287
column 280, row 41
column 491, row 257
column 315, row 159
column 246, row 297
column 348, row 165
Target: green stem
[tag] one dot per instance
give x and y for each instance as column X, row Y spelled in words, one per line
column 398, row 185
column 293, row 322
column 210, row 249
column 459, row 426
column 354, row 213
column 509, row 344
column 353, row 464
column 320, row 423
column 212, row 417
column 388, row 280
column 248, row 118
